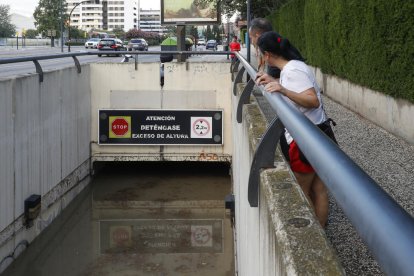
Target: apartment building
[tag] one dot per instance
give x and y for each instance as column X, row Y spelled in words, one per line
column 150, row 21
column 107, row 15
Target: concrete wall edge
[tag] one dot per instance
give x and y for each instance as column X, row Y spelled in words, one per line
column 392, row 114
column 288, row 208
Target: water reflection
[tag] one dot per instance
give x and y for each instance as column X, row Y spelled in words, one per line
column 143, row 219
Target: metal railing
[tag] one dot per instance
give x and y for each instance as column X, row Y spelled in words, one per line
column 386, row 228
column 39, row 70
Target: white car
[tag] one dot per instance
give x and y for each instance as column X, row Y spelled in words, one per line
column 201, row 41
column 92, row 43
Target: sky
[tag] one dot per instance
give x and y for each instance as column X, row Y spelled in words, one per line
column 27, row 7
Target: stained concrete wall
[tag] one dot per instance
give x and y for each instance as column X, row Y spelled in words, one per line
column 394, row 115
column 45, row 142
column 193, row 85
column 44, row 149
column 282, row 236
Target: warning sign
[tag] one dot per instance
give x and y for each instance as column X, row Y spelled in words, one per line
column 121, row 236
column 160, row 127
column 120, row 127
column 161, row 236
column 201, row 235
column 201, row 127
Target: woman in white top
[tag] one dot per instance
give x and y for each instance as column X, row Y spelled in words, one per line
column 297, row 83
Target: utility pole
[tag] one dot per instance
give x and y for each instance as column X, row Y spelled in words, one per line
column 248, row 26
column 61, row 25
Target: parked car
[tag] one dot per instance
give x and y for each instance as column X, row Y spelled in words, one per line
column 92, row 43
column 110, row 44
column 211, row 44
column 137, row 44
column 201, row 41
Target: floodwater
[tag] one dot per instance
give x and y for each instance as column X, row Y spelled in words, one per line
column 156, row 219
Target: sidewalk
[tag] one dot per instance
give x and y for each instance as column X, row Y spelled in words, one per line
column 7, row 51
column 388, row 159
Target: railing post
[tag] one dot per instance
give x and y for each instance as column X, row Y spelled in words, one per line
column 38, row 70
column 264, row 157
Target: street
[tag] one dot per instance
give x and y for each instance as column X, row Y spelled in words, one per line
column 23, row 68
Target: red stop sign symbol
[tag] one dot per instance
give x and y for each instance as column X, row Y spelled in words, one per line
column 119, row 127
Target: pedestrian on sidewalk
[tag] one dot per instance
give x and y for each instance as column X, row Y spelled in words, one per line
column 298, row 84
column 234, row 47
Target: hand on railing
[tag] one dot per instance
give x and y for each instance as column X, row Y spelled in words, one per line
column 262, row 78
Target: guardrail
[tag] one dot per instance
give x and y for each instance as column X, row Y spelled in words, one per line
column 39, row 70
column 383, row 224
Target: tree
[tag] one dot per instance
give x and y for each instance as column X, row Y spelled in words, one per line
column 120, row 33
column 258, row 8
column 194, row 32
column 216, row 32
column 7, row 29
column 77, row 33
column 47, row 15
column 31, row 33
column 209, row 34
column 171, row 30
column 151, row 37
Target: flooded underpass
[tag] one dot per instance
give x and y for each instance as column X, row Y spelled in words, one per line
column 140, row 219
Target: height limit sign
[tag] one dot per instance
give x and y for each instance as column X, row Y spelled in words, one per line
column 201, row 127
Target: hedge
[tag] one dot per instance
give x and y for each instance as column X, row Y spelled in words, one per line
column 369, row 42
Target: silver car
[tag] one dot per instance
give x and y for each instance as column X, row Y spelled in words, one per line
column 139, row 44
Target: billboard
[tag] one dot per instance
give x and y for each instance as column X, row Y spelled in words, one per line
column 181, row 12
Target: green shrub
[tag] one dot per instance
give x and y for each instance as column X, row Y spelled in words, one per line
column 367, row 42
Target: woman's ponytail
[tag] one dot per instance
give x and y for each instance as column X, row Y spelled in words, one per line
column 274, row 43
column 284, row 44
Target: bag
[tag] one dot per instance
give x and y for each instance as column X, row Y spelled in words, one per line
column 327, row 129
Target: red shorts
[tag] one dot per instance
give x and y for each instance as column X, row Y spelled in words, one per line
column 296, row 164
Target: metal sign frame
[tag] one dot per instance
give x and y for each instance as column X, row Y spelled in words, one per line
column 193, row 20
column 156, row 127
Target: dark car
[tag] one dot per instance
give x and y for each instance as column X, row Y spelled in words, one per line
column 137, row 44
column 211, row 44
column 110, row 44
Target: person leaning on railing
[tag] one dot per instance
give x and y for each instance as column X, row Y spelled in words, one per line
column 259, row 26
column 297, row 83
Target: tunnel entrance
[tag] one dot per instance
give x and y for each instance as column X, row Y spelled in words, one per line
column 140, row 218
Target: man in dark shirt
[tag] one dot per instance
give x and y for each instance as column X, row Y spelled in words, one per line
column 258, row 26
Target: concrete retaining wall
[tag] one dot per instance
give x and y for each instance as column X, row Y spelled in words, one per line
column 281, row 236
column 191, row 86
column 44, row 149
column 394, row 115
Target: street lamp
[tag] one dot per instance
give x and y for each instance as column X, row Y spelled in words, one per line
column 248, row 27
column 61, row 25
column 70, row 14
